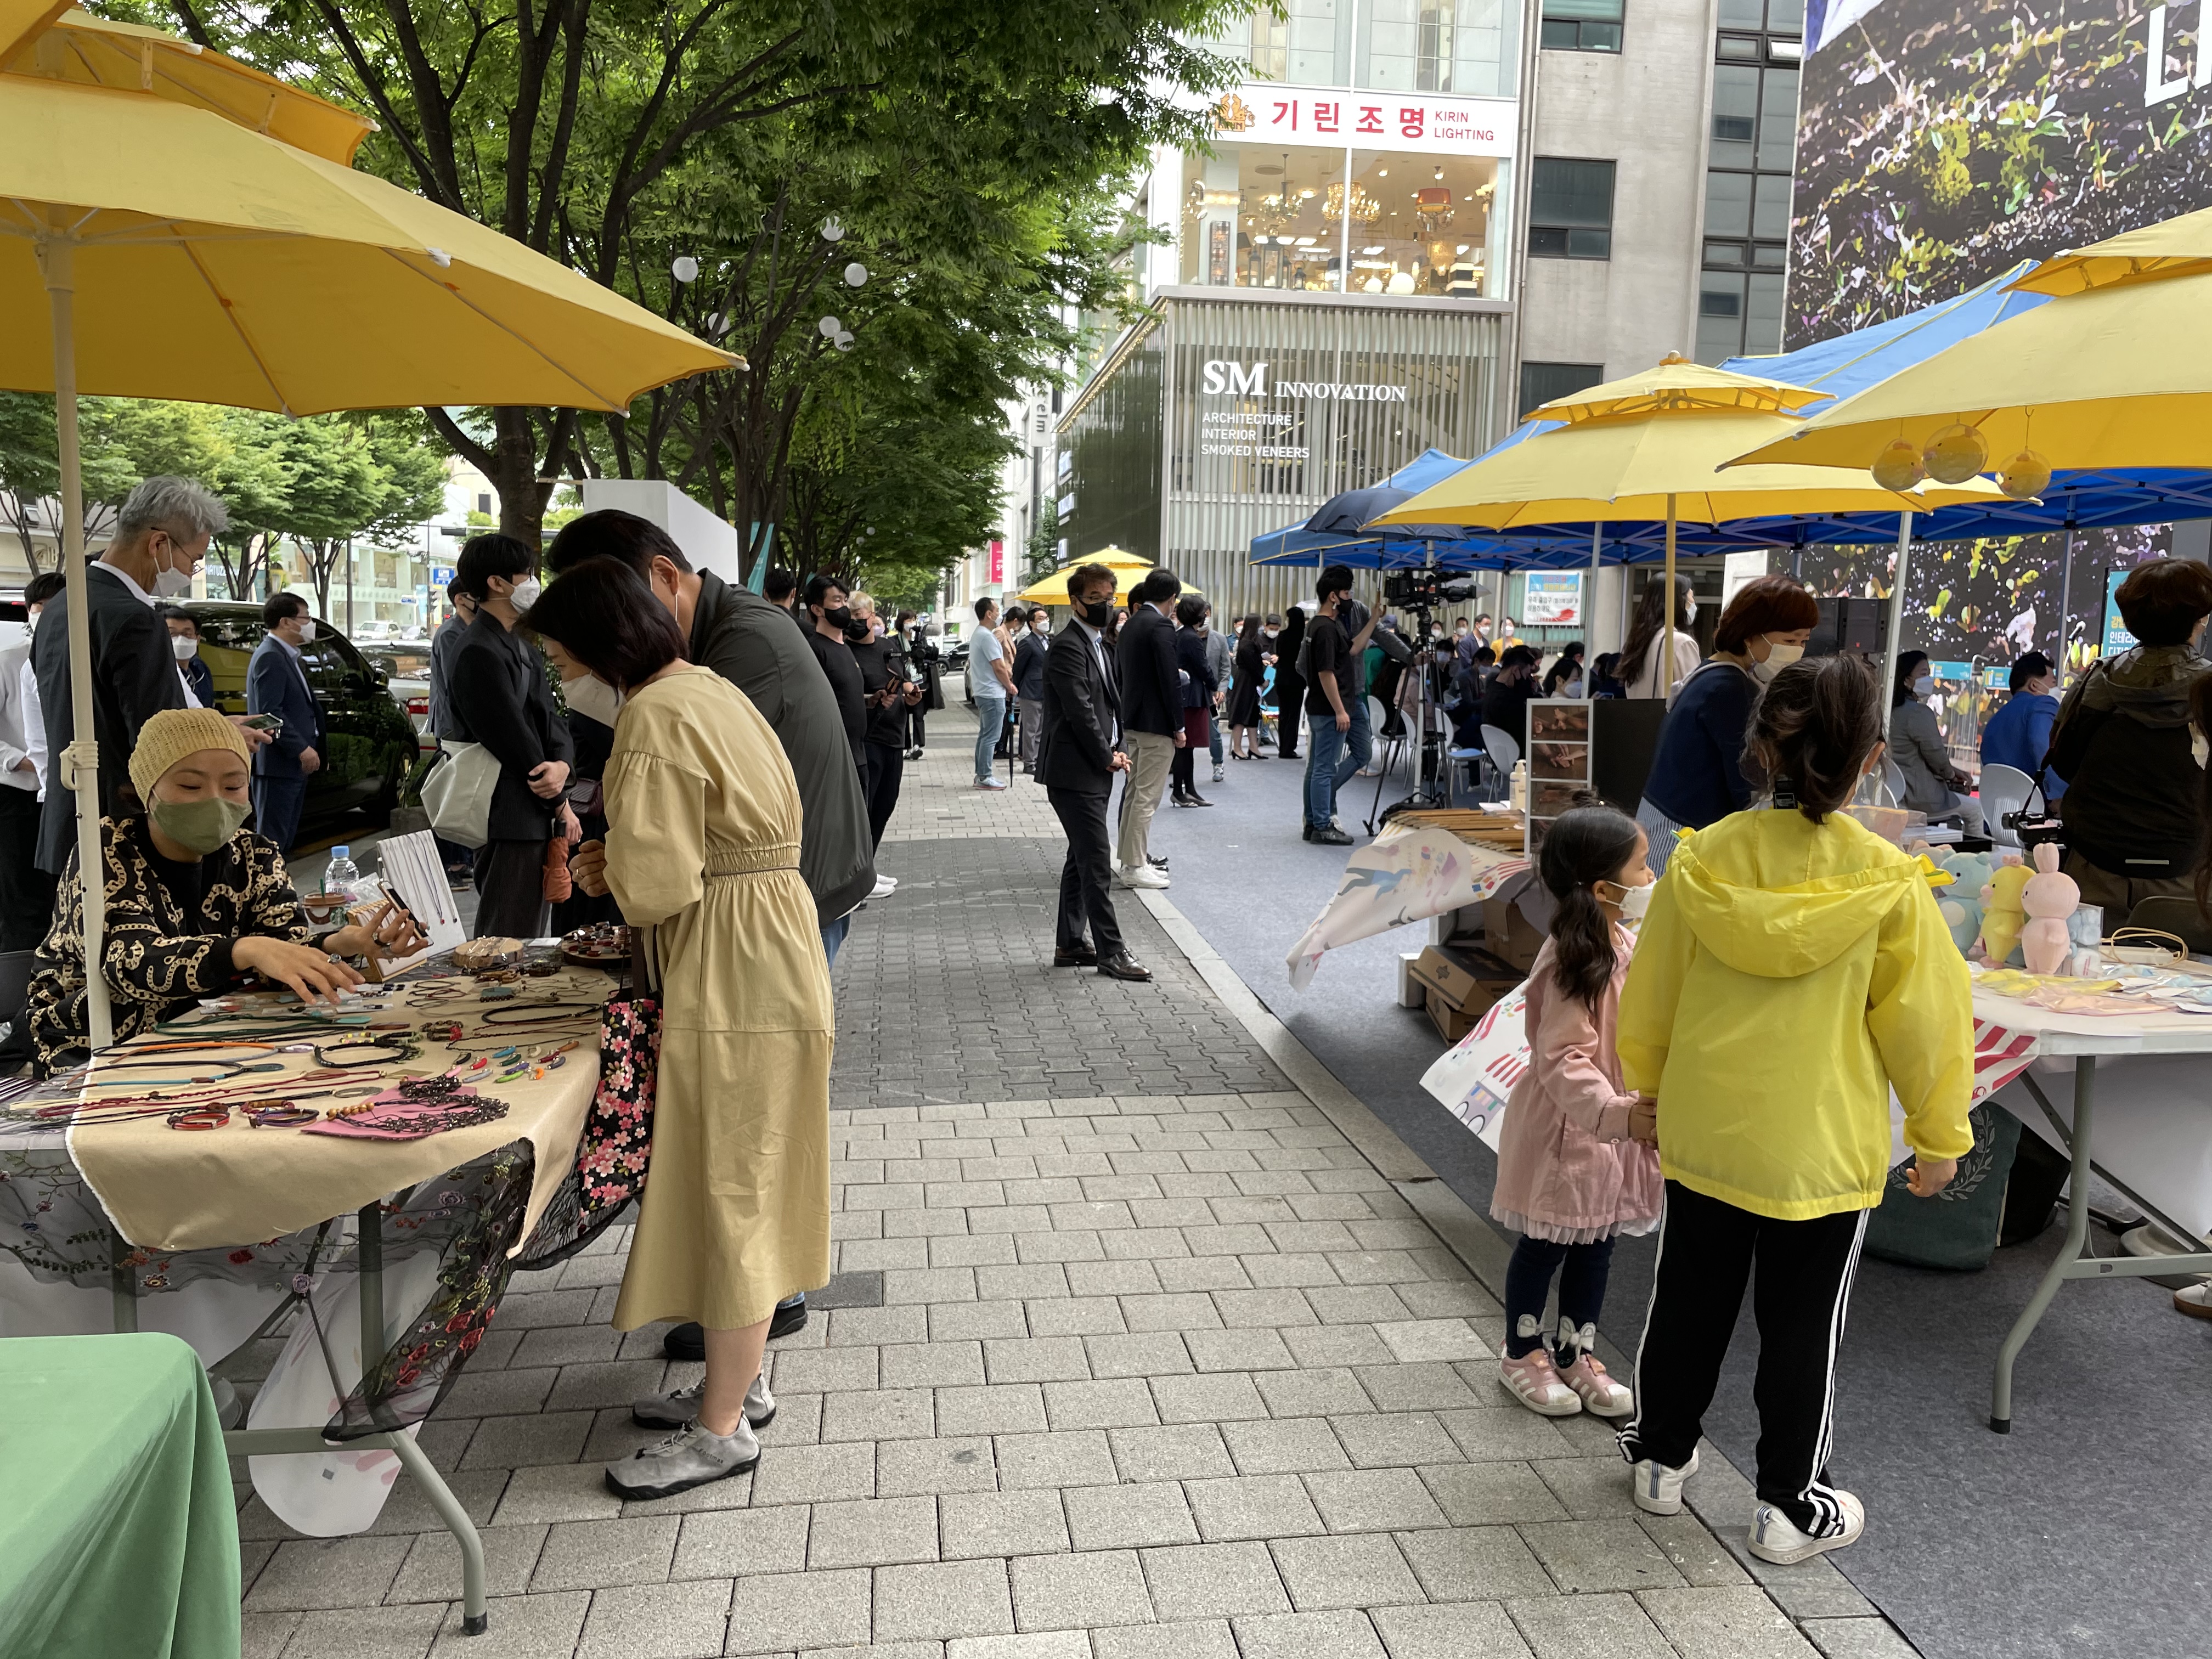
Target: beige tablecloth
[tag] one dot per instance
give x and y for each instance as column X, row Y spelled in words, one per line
column 173, row 1190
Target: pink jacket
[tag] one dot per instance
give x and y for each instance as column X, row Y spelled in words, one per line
column 1566, row 1169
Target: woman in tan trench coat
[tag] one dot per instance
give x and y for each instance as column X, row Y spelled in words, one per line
column 703, row 851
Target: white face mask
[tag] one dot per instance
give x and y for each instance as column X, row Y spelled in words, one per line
column 306, row 631
column 1690, row 613
column 1633, row 900
column 593, row 697
column 525, row 593
column 173, row 584
column 1924, row 686
column 2199, row 750
column 1779, row 656
column 186, row 647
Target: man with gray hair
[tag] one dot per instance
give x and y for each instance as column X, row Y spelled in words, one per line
column 161, row 534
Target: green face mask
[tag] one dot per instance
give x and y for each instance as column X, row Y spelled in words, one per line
column 202, row 826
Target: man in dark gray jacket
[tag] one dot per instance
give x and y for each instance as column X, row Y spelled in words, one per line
column 752, row 644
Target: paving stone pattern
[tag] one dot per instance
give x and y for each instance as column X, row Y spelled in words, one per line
column 1149, row 1371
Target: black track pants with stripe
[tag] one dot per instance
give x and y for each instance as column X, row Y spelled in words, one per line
column 1707, row 1250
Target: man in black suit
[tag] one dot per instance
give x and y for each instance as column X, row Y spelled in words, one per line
column 161, row 534
column 1077, row 760
column 276, row 683
column 1152, row 719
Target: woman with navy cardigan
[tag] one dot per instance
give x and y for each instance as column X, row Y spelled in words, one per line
column 1697, row 772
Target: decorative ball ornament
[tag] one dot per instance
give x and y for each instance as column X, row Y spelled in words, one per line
column 844, row 340
column 2025, row 477
column 855, row 274
column 1899, row 466
column 1955, row 455
column 685, row 270
column 830, row 328
column 833, row 230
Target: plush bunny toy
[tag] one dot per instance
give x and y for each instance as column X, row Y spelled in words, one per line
column 2049, row 898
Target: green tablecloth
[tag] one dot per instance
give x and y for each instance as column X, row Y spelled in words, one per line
column 119, row 1533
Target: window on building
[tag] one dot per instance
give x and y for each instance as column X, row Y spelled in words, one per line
column 1541, row 382
column 1470, row 47
column 1750, row 153
column 1271, row 46
column 1582, row 25
column 1570, row 209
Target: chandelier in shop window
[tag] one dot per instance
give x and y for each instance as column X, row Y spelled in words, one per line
column 1365, row 208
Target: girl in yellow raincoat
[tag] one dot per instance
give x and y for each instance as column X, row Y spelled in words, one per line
column 1792, row 970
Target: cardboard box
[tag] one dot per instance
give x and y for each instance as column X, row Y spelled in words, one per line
column 1507, row 935
column 1459, row 987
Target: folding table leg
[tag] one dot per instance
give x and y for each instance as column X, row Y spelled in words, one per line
column 476, row 1619
column 2077, row 1236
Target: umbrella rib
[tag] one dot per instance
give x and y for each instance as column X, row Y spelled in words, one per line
column 230, row 315
column 604, row 401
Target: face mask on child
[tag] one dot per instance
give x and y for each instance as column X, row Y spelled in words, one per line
column 1633, row 900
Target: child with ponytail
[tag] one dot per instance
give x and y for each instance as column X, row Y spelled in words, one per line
column 1575, row 1167
column 1793, row 971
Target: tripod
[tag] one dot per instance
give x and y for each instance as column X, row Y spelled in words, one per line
column 1427, row 767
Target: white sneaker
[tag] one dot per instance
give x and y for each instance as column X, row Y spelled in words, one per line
column 990, row 783
column 1142, row 875
column 885, row 886
column 1658, row 1489
column 1775, row 1537
column 1220, row 773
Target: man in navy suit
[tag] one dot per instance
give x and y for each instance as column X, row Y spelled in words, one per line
column 276, row 683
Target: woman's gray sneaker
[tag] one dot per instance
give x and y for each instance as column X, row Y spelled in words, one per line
column 690, row 1457
column 676, row 1409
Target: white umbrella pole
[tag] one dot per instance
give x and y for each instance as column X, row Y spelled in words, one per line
column 1590, row 599
column 1666, row 664
column 77, row 766
column 1894, row 639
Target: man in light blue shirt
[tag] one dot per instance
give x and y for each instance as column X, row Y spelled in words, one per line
column 990, row 683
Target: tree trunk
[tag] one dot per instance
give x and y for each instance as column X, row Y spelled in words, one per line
column 514, row 475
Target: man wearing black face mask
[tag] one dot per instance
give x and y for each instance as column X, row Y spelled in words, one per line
column 828, row 616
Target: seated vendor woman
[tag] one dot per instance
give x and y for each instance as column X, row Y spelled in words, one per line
column 196, row 903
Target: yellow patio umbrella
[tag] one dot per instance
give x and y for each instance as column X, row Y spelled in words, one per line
column 2115, row 371
column 1646, row 449
column 39, row 38
column 1128, row 571
column 150, row 249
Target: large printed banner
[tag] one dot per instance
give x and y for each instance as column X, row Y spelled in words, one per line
column 1408, row 873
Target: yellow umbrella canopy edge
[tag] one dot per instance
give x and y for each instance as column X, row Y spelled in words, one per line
column 2114, row 375
column 2181, row 245
column 216, row 264
column 78, row 47
column 1052, row 589
column 1676, row 385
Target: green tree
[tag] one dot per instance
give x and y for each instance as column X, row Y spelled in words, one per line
column 588, row 129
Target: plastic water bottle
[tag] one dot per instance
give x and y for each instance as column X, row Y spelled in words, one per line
column 342, row 874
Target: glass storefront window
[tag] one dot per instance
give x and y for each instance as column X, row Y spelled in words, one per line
column 1308, row 46
column 1467, row 46
column 1258, row 217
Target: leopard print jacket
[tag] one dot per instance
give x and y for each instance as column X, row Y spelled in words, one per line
column 159, row 958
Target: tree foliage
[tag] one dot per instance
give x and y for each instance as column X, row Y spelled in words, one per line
column 971, row 151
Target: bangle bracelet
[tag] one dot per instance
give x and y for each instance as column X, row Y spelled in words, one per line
column 387, row 1050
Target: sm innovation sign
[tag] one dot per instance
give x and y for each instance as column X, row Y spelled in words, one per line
column 1257, row 434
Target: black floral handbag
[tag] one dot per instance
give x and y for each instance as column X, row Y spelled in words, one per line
column 615, row 1149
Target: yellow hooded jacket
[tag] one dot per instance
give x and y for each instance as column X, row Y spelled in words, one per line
column 1789, row 974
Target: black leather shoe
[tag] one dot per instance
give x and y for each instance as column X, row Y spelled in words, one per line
column 1306, row 830
column 1328, row 837
column 1176, row 797
column 1081, row 956
column 1122, row 965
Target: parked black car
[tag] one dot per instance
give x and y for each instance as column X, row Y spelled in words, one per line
column 371, row 741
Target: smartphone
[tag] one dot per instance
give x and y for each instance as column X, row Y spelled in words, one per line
column 399, row 905
column 272, row 724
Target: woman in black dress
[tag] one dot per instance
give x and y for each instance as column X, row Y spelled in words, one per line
column 1290, row 684
column 1252, row 658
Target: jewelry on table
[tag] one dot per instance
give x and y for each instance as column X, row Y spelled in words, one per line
column 200, row 1117
column 389, row 1050
column 280, row 1115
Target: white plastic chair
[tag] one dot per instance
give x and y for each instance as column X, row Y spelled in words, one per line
column 1504, row 751
column 2004, row 789
column 1893, row 778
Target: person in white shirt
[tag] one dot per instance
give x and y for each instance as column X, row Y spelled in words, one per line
column 26, row 892
column 1656, row 660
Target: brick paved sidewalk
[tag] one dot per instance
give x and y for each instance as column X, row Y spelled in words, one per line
column 1131, row 1354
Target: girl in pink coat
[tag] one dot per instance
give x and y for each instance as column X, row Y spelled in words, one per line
column 1577, row 1162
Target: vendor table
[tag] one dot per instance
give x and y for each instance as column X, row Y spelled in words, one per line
column 2085, row 1039
column 119, row 1534
column 1408, row 873
column 243, row 1199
